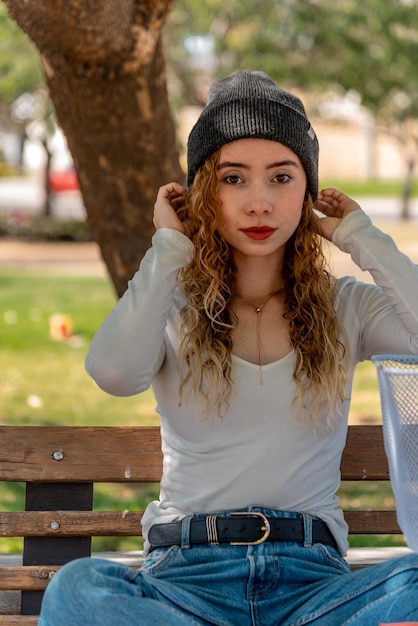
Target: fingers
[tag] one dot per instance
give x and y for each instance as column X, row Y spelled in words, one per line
column 171, row 191
column 169, row 208
column 172, row 195
column 334, row 203
column 329, row 201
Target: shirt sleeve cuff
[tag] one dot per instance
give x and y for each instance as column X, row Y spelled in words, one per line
column 353, row 222
column 171, row 239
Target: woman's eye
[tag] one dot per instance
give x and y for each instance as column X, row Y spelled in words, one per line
column 232, row 179
column 282, row 178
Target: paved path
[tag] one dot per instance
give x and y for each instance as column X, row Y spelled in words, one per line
column 65, row 259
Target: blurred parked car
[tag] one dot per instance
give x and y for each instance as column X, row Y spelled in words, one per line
column 63, row 180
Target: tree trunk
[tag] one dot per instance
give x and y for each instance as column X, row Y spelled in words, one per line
column 105, row 71
column 407, row 189
column 47, row 210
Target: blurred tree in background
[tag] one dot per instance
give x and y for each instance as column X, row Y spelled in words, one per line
column 20, row 75
column 20, row 70
column 105, row 70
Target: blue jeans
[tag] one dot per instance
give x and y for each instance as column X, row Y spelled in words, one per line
column 269, row 584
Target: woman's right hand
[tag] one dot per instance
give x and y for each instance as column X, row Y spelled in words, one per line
column 169, row 207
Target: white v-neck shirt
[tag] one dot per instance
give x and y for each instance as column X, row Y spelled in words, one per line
column 260, row 453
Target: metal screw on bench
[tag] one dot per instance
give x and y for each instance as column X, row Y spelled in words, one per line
column 46, row 574
column 58, row 455
column 54, row 525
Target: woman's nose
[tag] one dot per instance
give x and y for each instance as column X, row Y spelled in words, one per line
column 258, row 202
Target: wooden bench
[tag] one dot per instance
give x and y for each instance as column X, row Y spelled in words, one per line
column 60, row 465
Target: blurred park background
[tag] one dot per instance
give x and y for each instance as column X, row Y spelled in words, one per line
column 355, row 66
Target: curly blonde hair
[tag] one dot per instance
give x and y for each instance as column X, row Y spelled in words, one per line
column 207, row 321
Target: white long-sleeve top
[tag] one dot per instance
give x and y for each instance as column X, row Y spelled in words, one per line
column 260, row 453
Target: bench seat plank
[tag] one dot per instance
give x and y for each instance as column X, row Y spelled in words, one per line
column 18, row 620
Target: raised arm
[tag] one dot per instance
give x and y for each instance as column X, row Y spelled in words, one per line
column 128, row 349
column 388, row 311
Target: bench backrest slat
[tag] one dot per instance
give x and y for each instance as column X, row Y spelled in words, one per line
column 28, row 578
column 128, row 523
column 83, row 454
column 71, row 523
column 364, row 456
column 80, row 454
column 373, row 522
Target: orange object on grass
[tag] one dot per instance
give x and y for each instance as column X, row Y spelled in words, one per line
column 60, row 327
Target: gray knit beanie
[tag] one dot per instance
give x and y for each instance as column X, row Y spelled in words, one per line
column 249, row 104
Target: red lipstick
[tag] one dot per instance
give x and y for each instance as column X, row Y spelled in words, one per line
column 258, row 233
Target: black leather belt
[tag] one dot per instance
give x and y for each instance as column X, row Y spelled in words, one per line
column 239, row 528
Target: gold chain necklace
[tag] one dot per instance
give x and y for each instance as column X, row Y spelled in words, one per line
column 258, row 310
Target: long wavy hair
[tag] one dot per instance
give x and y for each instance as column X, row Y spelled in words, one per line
column 207, row 321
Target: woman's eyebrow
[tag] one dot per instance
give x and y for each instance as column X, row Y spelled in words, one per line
column 221, row 166
column 287, row 162
column 284, row 163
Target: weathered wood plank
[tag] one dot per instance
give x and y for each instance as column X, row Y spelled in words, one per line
column 26, row 577
column 372, row 522
column 71, row 523
column 18, row 620
column 80, row 454
column 364, row 456
column 124, row 454
column 128, row 523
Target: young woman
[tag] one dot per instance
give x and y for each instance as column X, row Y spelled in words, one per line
column 250, row 345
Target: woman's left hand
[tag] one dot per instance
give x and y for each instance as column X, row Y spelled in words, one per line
column 335, row 205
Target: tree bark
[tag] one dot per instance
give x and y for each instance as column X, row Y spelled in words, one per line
column 105, row 71
column 407, row 190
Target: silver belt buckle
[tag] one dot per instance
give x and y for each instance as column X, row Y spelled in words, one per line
column 265, row 528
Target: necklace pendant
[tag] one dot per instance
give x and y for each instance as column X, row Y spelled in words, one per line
column 258, row 310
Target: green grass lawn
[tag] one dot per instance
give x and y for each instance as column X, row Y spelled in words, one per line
column 370, row 188
column 43, row 382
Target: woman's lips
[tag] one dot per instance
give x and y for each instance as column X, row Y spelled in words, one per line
column 259, row 233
